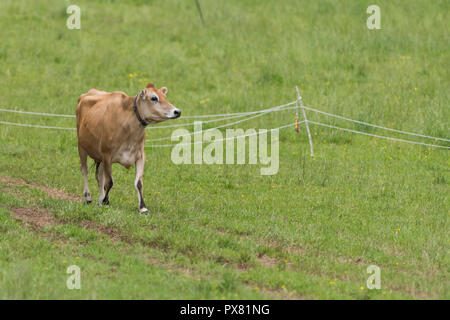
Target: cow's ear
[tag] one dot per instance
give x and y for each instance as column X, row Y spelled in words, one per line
column 164, row 90
column 151, row 85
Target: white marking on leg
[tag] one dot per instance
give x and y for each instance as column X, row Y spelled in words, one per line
column 84, row 172
column 86, row 191
column 138, row 183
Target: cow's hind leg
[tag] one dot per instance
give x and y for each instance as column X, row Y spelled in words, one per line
column 84, row 172
column 108, row 181
column 138, row 184
column 101, row 183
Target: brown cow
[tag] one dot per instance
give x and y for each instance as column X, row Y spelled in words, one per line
column 111, row 129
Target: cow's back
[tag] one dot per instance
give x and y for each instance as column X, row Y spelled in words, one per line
column 94, row 109
column 91, row 99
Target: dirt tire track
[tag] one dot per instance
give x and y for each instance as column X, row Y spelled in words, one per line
column 50, row 191
column 37, row 218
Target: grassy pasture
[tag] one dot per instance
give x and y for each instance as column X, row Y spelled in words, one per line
column 225, row 231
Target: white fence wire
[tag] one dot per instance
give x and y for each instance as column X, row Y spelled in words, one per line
column 38, row 113
column 220, row 140
column 376, row 135
column 34, row 125
column 374, row 125
column 185, row 117
column 260, row 113
column 252, row 115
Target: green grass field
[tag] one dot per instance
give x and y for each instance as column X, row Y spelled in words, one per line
column 225, row 231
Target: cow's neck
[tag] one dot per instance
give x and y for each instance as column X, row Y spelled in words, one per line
column 131, row 127
column 141, row 120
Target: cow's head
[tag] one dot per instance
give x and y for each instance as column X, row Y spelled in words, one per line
column 153, row 106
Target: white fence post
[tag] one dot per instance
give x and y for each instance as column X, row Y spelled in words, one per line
column 299, row 98
column 297, row 126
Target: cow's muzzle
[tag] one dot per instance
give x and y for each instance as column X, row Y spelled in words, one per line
column 173, row 114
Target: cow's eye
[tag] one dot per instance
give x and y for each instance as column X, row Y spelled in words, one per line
column 154, row 98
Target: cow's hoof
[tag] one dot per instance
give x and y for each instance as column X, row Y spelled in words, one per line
column 143, row 211
column 105, row 201
column 87, row 198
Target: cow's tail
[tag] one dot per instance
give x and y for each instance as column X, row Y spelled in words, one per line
column 97, row 164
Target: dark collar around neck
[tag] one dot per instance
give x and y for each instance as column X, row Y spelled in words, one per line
column 138, row 116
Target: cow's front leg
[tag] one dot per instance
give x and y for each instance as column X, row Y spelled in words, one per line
column 138, row 183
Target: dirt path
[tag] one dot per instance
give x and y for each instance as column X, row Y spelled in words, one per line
column 52, row 192
column 36, row 219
